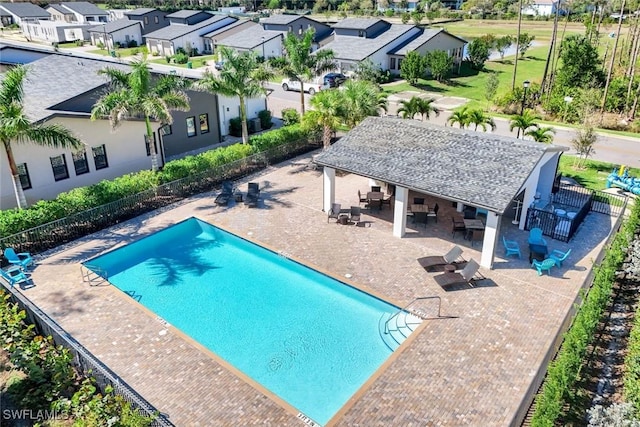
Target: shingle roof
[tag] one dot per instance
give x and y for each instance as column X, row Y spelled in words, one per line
column 60, row 9
column 282, row 19
column 183, row 13
column 478, row 169
column 249, row 38
column 228, row 27
column 174, row 31
column 356, row 23
column 25, row 10
column 84, row 8
column 140, row 11
column 420, row 40
column 354, row 48
column 112, row 26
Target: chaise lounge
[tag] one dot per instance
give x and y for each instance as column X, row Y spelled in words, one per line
column 253, row 194
column 453, row 257
column 466, row 277
column 14, row 276
column 225, row 195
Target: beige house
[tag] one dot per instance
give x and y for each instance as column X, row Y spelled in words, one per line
column 430, row 40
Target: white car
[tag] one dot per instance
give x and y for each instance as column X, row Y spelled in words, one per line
column 310, row 88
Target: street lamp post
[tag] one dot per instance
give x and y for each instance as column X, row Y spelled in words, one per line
column 263, row 58
column 525, row 84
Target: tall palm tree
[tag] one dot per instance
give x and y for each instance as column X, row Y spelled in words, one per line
column 523, row 122
column 15, row 127
column 241, row 76
column 299, row 64
column 542, row 134
column 137, row 93
column 461, row 117
column 480, row 118
column 361, row 99
column 416, row 105
column 326, row 114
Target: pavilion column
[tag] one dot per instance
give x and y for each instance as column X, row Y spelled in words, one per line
column 329, row 188
column 400, row 211
column 529, row 195
column 491, row 232
column 459, row 206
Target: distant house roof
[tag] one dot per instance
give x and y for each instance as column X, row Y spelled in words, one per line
column 174, row 31
column 478, row 169
column 25, row 10
column 353, row 48
column 60, row 9
column 229, row 27
column 113, row 26
column 140, row 11
column 421, row 40
column 282, row 19
column 249, row 38
column 84, row 8
column 356, row 23
column 184, row 13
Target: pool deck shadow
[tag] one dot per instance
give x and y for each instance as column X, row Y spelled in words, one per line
column 472, row 368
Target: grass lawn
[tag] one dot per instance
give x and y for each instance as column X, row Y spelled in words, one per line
column 197, row 61
column 68, row 45
column 593, row 175
column 542, row 30
column 130, row 51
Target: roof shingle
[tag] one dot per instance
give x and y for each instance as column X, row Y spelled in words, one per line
column 354, row 48
column 174, row 31
column 26, row 10
column 84, row 8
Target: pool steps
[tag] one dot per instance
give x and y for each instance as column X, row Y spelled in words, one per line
column 395, row 328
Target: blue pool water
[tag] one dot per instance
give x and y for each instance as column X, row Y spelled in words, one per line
column 306, row 337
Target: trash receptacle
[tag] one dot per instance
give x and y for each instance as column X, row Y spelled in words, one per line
column 113, row 53
column 189, row 64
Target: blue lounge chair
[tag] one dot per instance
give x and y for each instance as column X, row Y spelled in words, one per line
column 543, row 265
column 511, row 247
column 535, row 237
column 559, row 256
column 22, row 259
column 14, row 276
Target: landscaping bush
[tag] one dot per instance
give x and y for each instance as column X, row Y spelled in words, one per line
column 265, row 119
column 290, row 116
column 180, row 58
column 132, row 43
column 280, row 136
column 235, row 126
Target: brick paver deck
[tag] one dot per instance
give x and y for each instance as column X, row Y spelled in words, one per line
column 472, row 369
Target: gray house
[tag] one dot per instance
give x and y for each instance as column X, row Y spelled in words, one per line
column 267, row 44
column 150, row 19
column 428, row 41
column 297, row 24
column 82, row 12
column 121, row 32
column 16, row 13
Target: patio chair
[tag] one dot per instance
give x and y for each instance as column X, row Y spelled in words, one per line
column 22, row 259
column 420, row 218
column 559, row 256
column 465, row 277
column 433, row 213
column 14, row 276
column 354, row 214
column 543, row 265
column 376, row 188
column 511, row 247
column 334, row 212
column 535, row 237
column 225, row 195
column 362, row 199
column 387, row 200
column 253, row 194
column 476, row 236
column 469, row 212
column 453, row 257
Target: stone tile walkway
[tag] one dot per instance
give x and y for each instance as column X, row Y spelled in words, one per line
column 472, row 369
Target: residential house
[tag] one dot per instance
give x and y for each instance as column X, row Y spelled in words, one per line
column 298, row 25
column 429, row 40
column 151, row 19
column 81, row 11
column 122, row 32
column 17, row 13
column 540, row 8
column 186, row 30
column 55, row 31
column 359, row 39
column 50, row 96
column 115, row 14
column 60, row 13
column 267, row 44
column 213, row 38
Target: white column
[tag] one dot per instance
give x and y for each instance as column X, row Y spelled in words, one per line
column 329, row 188
column 529, row 194
column 491, row 232
column 459, row 206
column 400, row 211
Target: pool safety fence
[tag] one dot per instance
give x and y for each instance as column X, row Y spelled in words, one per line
column 64, row 230
column 86, row 362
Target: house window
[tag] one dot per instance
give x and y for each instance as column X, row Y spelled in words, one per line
column 23, row 174
column 204, row 123
column 146, row 20
column 100, row 157
column 392, row 63
column 290, row 29
column 166, row 130
column 59, row 166
column 148, row 146
column 156, row 20
column 300, row 30
column 191, row 126
column 80, row 162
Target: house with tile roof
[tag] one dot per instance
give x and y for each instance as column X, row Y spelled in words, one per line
column 429, row 40
column 17, row 13
column 79, row 11
column 122, row 32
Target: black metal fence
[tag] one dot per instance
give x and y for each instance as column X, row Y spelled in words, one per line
column 55, row 233
column 86, row 362
column 555, row 222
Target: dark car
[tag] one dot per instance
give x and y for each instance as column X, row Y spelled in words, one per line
column 334, row 79
column 219, row 65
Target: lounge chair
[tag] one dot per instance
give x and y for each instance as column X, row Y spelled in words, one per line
column 253, row 194
column 543, row 265
column 354, row 215
column 559, row 256
column 225, row 195
column 466, row 277
column 22, row 259
column 334, row 212
column 511, row 247
column 454, row 257
column 14, row 276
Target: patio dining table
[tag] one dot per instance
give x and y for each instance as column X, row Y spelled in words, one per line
column 419, row 208
column 473, row 224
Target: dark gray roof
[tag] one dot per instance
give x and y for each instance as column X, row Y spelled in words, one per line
column 112, row 26
column 356, row 23
column 422, row 39
column 60, row 9
column 174, row 31
column 282, row 19
column 140, row 11
column 354, row 48
column 229, row 27
column 25, row 10
column 84, row 8
column 183, row 13
column 249, row 38
column 476, row 168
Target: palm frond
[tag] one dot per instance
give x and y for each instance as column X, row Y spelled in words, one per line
column 11, row 89
column 51, row 135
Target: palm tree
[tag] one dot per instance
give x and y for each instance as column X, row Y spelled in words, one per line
column 15, row 127
column 542, row 134
column 137, row 93
column 326, row 114
column 361, row 99
column 417, row 105
column 461, row 117
column 299, row 64
column 241, row 76
column 480, row 118
column 523, row 122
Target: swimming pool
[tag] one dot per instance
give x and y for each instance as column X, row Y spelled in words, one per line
column 308, row 338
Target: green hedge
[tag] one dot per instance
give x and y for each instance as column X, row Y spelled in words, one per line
column 13, row 221
column 564, row 371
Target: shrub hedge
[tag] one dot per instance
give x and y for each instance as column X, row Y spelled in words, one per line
column 564, row 371
column 13, row 221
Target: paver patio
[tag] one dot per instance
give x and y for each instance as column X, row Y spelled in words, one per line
column 473, row 369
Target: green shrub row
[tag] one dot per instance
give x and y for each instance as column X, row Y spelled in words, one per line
column 13, row 221
column 564, row 371
column 632, row 366
column 50, row 381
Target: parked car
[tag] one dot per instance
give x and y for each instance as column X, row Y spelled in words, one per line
column 219, row 65
column 310, row 88
column 334, row 79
